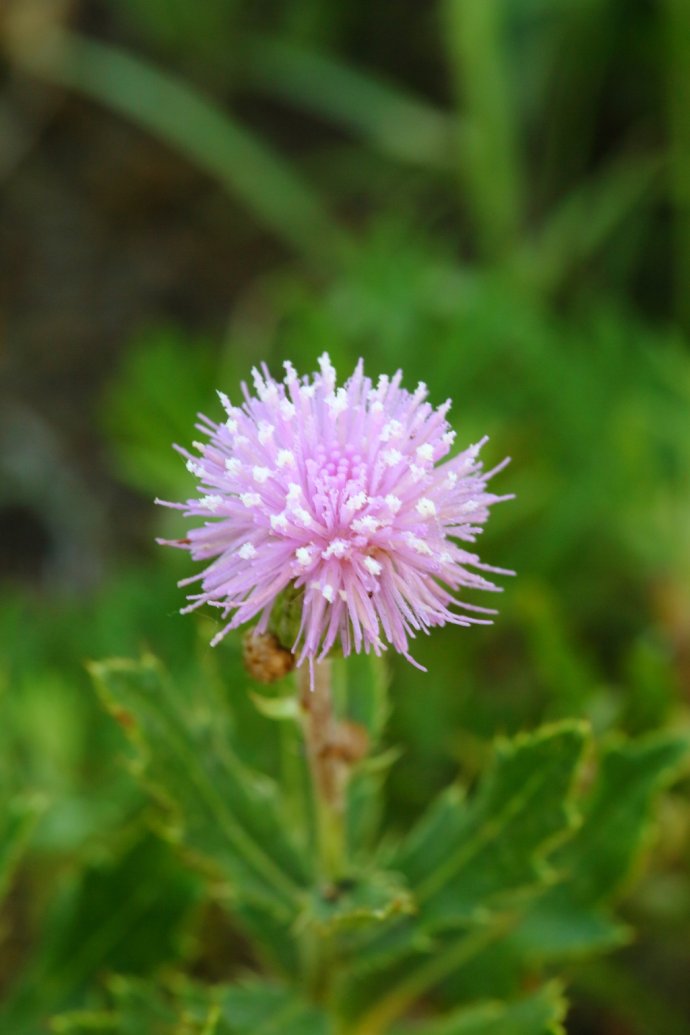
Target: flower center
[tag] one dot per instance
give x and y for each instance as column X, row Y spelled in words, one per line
column 338, row 465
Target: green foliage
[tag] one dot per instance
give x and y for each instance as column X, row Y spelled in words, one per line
column 222, row 813
column 165, row 382
column 537, row 1014
column 17, row 819
column 464, row 860
column 571, row 917
column 251, row 1007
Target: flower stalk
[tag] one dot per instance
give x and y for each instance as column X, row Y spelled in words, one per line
column 327, row 766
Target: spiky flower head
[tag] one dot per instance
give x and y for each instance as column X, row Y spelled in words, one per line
column 344, row 496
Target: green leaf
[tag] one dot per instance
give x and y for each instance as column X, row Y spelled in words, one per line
column 358, row 901
column 537, row 1014
column 220, row 811
column 266, row 1008
column 83, row 934
column 468, row 860
column 137, row 1007
column 464, row 859
column 594, row 865
column 250, row 1007
column 17, row 820
column 361, row 684
column 395, row 122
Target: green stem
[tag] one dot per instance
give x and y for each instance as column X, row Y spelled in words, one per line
column 327, row 771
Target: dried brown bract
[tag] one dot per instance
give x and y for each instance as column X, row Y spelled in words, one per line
column 264, row 658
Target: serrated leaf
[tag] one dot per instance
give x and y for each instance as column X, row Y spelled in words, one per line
column 537, row 1014
column 570, row 919
column 469, row 860
column 84, row 934
column 224, row 814
column 467, row 857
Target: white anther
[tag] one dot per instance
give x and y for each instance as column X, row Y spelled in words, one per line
column 394, row 503
column 250, row 499
column 338, row 548
column 426, row 507
column 393, row 429
column 366, row 524
column 247, row 552
column 425, row 451
column 328, row 592
column 372, row 566
column 337, row 401
column 359, row 500
column 261, row 474
column 279, row 522
column 285, row 458
column 418, row 545
column 232, row 465
column 266, row 432
column 391, row 457
column 303, row 555
column 210, row 502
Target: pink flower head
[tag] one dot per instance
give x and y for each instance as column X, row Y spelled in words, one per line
column 343, row 493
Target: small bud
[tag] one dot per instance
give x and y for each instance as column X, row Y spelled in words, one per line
column 264, row 659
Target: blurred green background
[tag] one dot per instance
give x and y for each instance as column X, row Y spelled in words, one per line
column 493, row 195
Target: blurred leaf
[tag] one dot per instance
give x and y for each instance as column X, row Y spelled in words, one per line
column 464, row 859
column 225, row 815
column 491, row 162
column 184, row 118
column 265, row 1008
column 538, row 1014
column 361, row 685
column 587, row 218
column 17, row 819
column 124, row 911
column 166, row 378
column 570, row 918
column 138, row 1007
column 405, row 127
